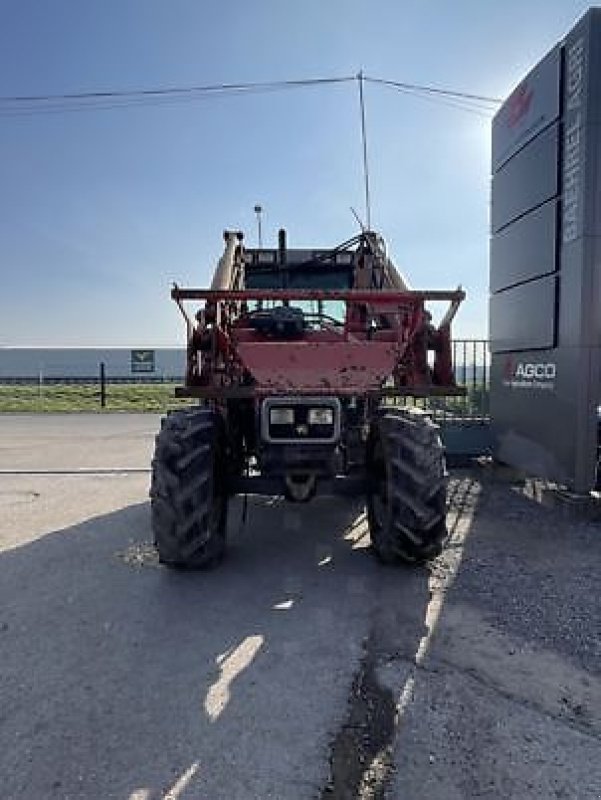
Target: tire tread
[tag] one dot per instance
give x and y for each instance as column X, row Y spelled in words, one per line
column 184, row 489
column 414, row 529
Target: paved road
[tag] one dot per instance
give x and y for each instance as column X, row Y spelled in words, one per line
column 76, row 441
column 300, row 668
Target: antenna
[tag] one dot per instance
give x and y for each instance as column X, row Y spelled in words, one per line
column 360, row 80
column 358, row 218
column 258, row 212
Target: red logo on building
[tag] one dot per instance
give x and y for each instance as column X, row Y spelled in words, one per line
column 518, row 104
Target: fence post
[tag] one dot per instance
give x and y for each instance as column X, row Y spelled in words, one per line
column 102, row 386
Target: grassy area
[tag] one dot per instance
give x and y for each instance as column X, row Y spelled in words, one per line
column 160, row 397
column 86, row 397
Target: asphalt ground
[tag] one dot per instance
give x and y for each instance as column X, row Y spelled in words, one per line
column 300, row 668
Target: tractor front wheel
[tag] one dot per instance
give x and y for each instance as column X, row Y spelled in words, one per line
column 189, row 489
column 406, row 501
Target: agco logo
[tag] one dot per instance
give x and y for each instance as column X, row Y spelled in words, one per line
column 542, row 372
column 518, row 104
column 529, row 374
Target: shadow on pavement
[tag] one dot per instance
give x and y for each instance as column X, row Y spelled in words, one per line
column 121, row 679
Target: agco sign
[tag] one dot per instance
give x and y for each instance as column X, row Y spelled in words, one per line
column 541, row 372
column 529, row 374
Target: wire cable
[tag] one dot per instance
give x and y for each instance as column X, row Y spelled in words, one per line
column 436, row 90
column 134, row 102
column 451, row 99
column 479, row 111
column 28, row 105
column 175, row 90
column 23, row 107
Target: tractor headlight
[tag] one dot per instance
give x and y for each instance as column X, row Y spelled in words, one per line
column 321, row 416
column 281, row 416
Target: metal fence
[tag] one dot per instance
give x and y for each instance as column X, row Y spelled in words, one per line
column 91, row 380
column 471, row 364
column 464, row 421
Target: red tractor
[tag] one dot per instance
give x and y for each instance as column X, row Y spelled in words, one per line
column 299, row 359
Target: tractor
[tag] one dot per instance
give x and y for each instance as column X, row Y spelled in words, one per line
column 300, row 363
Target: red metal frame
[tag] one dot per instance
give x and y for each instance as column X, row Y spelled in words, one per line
column 385, row 333
column 371, row 296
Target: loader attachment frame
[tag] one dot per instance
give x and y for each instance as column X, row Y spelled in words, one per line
column 380, row 347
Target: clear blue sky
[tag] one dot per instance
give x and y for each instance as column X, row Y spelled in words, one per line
column 100, row 211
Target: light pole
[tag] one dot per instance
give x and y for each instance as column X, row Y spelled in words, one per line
column 258, row 212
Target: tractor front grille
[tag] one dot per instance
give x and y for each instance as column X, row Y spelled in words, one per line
column 311, row 420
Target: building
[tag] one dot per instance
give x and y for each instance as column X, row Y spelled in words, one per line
column 84, row 362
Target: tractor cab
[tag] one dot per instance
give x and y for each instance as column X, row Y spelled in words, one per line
column 301, row 269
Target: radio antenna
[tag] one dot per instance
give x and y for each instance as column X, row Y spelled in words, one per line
column 360, row 80
column 359, row 220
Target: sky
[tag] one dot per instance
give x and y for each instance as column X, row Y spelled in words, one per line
column 101, row 210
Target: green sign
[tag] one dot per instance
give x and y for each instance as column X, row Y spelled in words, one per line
column 142, row 360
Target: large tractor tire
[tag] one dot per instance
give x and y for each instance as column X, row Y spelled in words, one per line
column 406, row 500
column 189, row 489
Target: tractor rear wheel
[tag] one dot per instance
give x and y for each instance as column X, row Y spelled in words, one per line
column 189, row 489
column 406, row 501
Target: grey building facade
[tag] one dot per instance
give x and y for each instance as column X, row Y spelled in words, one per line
column 545, row 264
